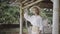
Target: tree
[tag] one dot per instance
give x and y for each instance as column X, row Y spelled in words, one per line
column 8, row 14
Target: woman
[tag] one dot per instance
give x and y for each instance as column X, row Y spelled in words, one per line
column 36, row 19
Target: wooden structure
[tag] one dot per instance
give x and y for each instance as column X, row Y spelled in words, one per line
column 28, row 3
column 40, row 3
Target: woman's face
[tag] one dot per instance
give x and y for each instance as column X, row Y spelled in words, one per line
column 35, row 11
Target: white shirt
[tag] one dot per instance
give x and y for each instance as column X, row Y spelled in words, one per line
column 35, row 20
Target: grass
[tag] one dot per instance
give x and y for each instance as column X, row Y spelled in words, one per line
column 25, row 30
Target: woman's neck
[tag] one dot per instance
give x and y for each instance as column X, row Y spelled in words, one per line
column 36, row 14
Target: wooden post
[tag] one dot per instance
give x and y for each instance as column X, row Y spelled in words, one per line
column 26, row 24
column 55, row 29
column 21, row 18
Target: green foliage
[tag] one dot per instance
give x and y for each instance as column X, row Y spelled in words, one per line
column 8, row 14
column 47, row 15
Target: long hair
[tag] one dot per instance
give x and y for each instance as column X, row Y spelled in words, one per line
column 35, row 7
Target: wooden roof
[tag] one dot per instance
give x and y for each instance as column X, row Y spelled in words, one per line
column 41, row 3
column 29, row 3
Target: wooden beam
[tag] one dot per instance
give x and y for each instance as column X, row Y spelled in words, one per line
column 24, row 1
column 31, row 4
column 21, row 19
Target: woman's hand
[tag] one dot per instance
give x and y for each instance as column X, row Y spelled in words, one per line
column 25, row 11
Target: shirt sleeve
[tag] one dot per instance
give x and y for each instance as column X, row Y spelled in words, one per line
column 27, row 17
column 41, row 25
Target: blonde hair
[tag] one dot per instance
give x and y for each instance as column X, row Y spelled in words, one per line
column 35, row 7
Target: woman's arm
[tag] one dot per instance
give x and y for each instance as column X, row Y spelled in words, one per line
column 40, row 23
column 26, row 16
